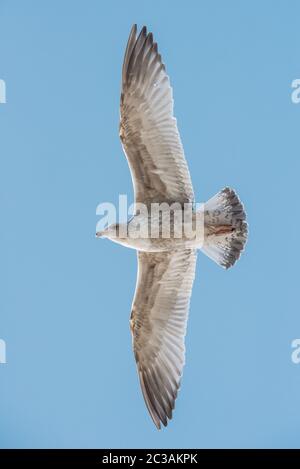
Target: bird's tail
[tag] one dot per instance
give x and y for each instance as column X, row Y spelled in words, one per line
column 226, row 228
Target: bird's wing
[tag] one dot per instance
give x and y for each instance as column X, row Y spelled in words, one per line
column 158, row 325
column 148, row 130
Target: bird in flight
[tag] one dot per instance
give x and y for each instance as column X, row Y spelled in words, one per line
column 166, row 264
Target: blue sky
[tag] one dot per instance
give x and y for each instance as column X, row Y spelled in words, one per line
column 70, row 378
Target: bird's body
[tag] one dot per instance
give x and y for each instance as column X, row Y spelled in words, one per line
column 161, row 231
column 166, row 240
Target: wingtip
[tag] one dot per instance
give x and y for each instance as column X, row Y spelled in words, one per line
column 157, row 425
column 134, row 29
column 165, row 423
column 133, row 32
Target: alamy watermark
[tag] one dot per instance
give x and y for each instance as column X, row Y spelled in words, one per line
column 295, row 356
column 2, row 351
column 2, row 92
column 295, row 96
column 154, row 220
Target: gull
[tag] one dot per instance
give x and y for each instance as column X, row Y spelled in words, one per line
column 166, row 265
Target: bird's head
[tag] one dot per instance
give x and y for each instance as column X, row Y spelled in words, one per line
column 113, row 231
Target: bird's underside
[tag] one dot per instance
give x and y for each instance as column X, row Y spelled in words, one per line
column 151, row 142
